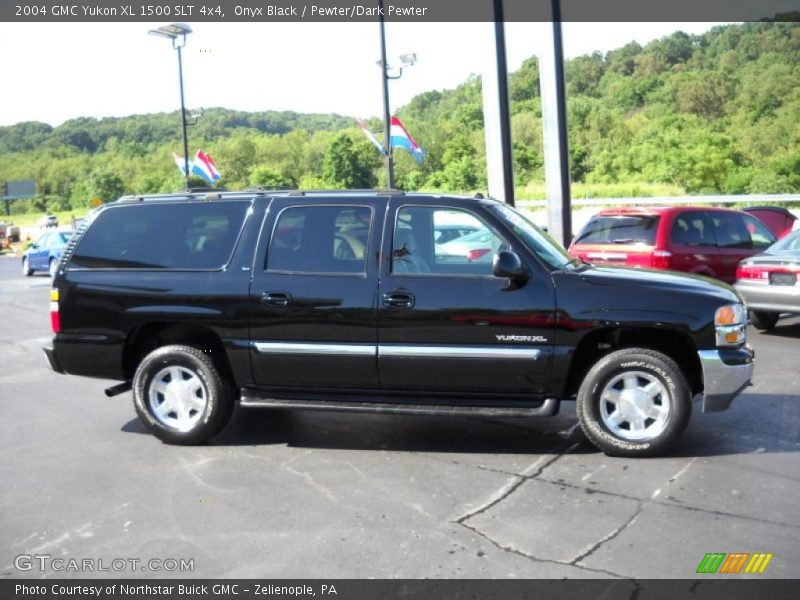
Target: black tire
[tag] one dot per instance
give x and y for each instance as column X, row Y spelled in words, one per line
column 52, row 267
column 762, row 320
column 644, row 365
column 26, row 268
column 219, row 393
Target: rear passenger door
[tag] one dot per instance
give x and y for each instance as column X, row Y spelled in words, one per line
column 314, row 292
column 692, row 243
column 445, row 322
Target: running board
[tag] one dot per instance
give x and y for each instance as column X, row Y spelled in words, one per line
column 254, row 399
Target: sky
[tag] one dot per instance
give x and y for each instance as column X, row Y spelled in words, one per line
column 52, row 72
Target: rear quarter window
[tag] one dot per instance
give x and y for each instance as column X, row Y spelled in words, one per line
column 620, row 229
column 162, row 236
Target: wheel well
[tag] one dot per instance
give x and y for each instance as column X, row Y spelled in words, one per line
column 146, row 338
column 597, row 344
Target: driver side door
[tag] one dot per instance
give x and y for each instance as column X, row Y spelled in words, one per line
column 445, row 323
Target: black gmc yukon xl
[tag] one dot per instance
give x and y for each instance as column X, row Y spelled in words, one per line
column 367, row 301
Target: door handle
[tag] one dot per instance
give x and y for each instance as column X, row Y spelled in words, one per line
column 276, row 299
column 399, row 300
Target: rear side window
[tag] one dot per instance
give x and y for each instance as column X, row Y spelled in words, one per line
column 162, row 236
column 692, row 229
column 320, row 239
column 620, row 229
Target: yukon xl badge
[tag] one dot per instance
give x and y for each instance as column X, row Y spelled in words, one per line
column 539, row 339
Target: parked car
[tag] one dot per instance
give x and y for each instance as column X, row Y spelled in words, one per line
column 701, row 240
column 10, row 232
column 48, row 222
column 770, row 282
column 45, row 253
column 776, row 218
column 266, row 319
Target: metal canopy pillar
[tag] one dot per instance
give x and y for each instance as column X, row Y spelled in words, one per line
column 554, row 129
column 496, row 117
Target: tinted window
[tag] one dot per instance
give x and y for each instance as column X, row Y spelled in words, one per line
column 730, row 231
column 162, row 236
column 320, row 239
column 692, row 229
column 620, row 229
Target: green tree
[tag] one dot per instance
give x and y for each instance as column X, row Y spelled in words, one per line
column 343, row 167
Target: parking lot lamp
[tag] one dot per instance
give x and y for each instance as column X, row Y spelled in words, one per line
column 177, row 33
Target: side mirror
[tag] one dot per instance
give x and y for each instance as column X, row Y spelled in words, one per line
column 508, row 265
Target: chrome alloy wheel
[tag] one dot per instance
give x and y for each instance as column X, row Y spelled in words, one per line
column 635, row 406
column 178, row 398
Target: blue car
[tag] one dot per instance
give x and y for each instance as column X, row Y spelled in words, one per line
column 45, row 253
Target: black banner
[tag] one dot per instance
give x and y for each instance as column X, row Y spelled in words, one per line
column 733, row 588
column 393, row 10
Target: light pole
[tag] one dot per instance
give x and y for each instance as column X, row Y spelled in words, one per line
column 177, row 33
column 406, row 61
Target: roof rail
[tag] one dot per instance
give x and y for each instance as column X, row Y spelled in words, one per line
column 199, row 190
column 270, row 188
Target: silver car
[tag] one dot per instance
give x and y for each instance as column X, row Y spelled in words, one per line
column 770, row 282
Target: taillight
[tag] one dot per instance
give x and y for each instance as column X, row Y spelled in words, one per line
column 761, row 273
column 55, row 318
column 474, row 255
column 659, row 259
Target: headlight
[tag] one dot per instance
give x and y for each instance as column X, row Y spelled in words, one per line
column 730, row 322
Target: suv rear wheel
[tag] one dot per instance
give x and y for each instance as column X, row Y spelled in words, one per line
column 180, row 395
column 634, row 402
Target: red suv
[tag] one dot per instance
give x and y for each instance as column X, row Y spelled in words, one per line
column 702, row 240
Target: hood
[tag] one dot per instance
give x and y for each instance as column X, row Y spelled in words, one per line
column 667, row 281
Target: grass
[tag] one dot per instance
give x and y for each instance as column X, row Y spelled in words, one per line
column 537, row 191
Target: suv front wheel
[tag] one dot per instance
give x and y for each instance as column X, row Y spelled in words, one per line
column 634, row 402
column 180, row 396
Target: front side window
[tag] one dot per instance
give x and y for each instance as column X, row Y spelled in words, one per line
column 760, row 236
column 442, row 241
column 178, row 236
column 320, row 239
column 730, row 231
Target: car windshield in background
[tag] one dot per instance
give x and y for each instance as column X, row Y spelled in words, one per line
column 540, row 243
column 790, row 243
column 620, row 229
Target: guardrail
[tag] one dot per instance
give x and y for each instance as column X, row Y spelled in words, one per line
column 751, row 199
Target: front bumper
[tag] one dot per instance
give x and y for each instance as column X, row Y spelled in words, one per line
column 53, row 359
column 726, row 372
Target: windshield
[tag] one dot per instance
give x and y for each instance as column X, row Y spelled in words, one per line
column 541, row 244
column 791, row 243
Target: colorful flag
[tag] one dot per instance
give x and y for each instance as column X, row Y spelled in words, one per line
column 370, row 135
column 181, row 164
column 400, row 138
column 203, row 166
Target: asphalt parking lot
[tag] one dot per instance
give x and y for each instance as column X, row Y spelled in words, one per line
column 303, row 494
